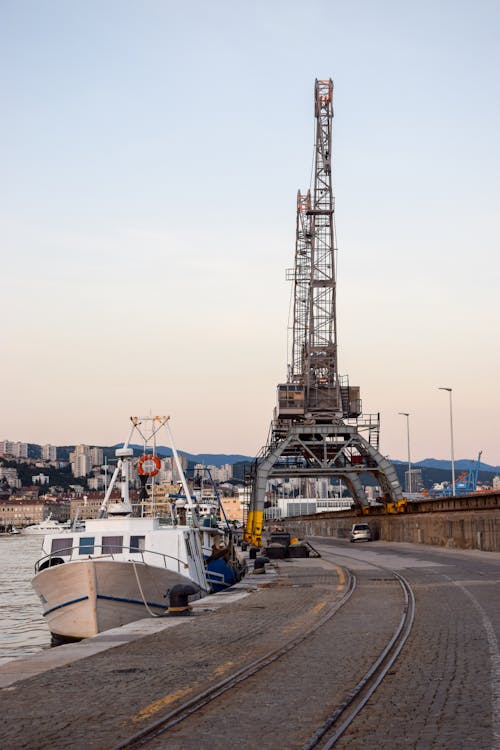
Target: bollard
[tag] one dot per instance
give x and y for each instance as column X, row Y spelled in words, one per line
column 179, row 599
column 252, row 553
column 260, row 565
column 244, row 545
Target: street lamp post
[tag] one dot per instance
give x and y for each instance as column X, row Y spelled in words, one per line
column 451, row 434
column 407, row 415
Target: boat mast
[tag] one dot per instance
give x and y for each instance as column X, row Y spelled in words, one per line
column 124, row 455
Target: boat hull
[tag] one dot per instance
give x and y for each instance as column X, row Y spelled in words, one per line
column 83, row 598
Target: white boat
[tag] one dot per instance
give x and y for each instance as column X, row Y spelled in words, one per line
column 48, row 526
column 123, row 568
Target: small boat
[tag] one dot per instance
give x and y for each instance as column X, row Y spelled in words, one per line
column 122, row 568
column 48, row 526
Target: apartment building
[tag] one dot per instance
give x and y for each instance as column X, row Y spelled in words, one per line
column 49, row 452
column 84, row 458
column 14, row 449
column 218, row 473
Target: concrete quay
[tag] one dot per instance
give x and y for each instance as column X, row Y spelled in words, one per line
column 441, row 693
column 92, row 693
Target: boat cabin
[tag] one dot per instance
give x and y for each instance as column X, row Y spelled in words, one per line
column 126, row 538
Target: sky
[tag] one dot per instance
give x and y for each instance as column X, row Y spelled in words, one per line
column 151, row 154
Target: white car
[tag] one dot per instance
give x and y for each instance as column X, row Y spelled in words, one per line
column 361, row 532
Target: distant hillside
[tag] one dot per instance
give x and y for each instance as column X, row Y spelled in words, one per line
column 432, row 474
column 209, row 459
column 219, row 459
column 462, row 464
column 34, row 450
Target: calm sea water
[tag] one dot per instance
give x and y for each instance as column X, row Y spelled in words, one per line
column 22, row 628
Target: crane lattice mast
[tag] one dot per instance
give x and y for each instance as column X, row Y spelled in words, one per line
column 318, row 430
column 320, row 353
column 301, row 276
column 314, row 385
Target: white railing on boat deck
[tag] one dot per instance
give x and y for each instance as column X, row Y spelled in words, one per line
column 120, row 550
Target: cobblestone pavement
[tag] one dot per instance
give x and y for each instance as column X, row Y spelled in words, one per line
column 444, row 690
column 441, row 692
column 281, row 707
column 93, row 702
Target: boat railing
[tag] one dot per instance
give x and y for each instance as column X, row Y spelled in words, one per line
column 55, row 558
column 218, row 578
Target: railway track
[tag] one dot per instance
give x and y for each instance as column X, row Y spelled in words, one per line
column 344, row 714
column 340, row 716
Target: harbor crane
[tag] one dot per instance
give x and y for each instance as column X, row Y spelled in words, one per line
column 465, row 483
column 318, row 429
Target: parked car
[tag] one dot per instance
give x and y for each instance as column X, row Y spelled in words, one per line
column 361, row 532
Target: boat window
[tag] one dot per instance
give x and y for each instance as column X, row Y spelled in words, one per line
column 137, row 543
column 86, row 545
column 62, row 545
column 188, row 546
column 111, row 544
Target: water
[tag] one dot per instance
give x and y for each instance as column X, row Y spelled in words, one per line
column 23, row 631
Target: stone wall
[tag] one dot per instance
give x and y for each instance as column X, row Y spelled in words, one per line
column 472, row 529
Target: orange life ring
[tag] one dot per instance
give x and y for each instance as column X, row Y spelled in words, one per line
column 148, row 471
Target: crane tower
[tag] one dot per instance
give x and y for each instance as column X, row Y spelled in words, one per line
column 318, row 429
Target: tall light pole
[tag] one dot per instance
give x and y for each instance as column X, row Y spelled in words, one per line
column 452, row 450
column 407, row 415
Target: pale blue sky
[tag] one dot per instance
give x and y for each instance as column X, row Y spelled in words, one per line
column 151, row 156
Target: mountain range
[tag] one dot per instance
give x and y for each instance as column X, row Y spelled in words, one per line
column 463, row 464
column 208, row 459
column 218, row 459
column 433, row 470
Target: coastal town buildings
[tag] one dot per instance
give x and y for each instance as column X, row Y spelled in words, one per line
column 49, row 452
column 40, row 479
column 28, row 508
column 84, row 458
column 11, row 476
column 14, row 449
column 218, row 473
column 234, row 507
column 413, row 481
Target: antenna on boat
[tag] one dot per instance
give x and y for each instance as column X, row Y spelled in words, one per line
column 189, row 503
column 121, row 453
